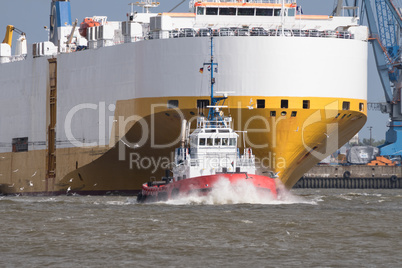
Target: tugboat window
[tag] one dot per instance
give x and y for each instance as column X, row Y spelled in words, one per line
column 200, row 11
column 212, row 11
column 227, row 11
column 245, row 12
column 225, row 142
column 277, row 12
column 264, row 12
column 217, row 141
column 210, row 141
column 202, row 141
column 345, row 105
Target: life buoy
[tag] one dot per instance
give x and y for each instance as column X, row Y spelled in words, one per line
column 346, row 174
column 393, row 178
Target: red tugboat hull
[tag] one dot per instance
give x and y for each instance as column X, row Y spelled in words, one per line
column 202, row 185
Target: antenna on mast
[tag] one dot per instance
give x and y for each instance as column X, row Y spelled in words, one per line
column 146, row 5
column 214, row 111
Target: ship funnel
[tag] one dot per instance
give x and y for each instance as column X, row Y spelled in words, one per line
column 60, row 19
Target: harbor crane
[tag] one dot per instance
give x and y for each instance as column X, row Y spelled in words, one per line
column 385, row 39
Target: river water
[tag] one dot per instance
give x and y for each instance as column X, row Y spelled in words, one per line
column 306, row 228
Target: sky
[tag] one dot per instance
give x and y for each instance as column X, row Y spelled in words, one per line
column 31, row 16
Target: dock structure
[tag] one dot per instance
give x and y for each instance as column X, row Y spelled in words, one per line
column 352, row 177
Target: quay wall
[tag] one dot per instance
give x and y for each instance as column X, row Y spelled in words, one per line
column 352, row 177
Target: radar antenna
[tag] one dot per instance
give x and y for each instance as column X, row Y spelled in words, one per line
column 146, row 5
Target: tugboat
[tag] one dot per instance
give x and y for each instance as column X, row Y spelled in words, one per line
column 208, row 155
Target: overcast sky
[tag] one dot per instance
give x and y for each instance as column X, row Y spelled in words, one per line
column 31, row 15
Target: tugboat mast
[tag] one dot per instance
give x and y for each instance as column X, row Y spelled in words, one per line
column 213, row 112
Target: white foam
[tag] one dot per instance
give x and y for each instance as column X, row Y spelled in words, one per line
column 243, row 192
column 286, row 197
column 116, row 203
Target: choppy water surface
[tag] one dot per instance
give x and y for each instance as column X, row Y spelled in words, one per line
column 309, row 228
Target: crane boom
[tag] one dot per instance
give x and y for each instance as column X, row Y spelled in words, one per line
column 385, row 39
column 382, row 66
column 394, row 12
column 8, row 39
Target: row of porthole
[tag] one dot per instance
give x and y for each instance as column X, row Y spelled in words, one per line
column 284, row 104
column 306, row 104
column 171, row 104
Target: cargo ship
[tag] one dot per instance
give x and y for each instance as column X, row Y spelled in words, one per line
column 97, row 108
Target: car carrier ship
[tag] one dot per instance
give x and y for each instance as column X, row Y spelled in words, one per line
column 97, row 109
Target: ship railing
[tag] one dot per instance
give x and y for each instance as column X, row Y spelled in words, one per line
column 246, row 162
column 214, row 159
column 222, row 159
column 243, row 1
column 259, row 31
column 240, row 31
column 203, row 122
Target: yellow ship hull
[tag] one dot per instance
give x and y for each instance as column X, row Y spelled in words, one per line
column 288, row 135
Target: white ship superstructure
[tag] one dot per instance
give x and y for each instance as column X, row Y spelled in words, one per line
column 213, row 149
column 81, row 113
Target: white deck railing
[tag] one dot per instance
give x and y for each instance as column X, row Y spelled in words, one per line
column 265, row 32
column 245, row 1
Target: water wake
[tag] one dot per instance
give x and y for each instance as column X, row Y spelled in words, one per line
column 243, row 192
